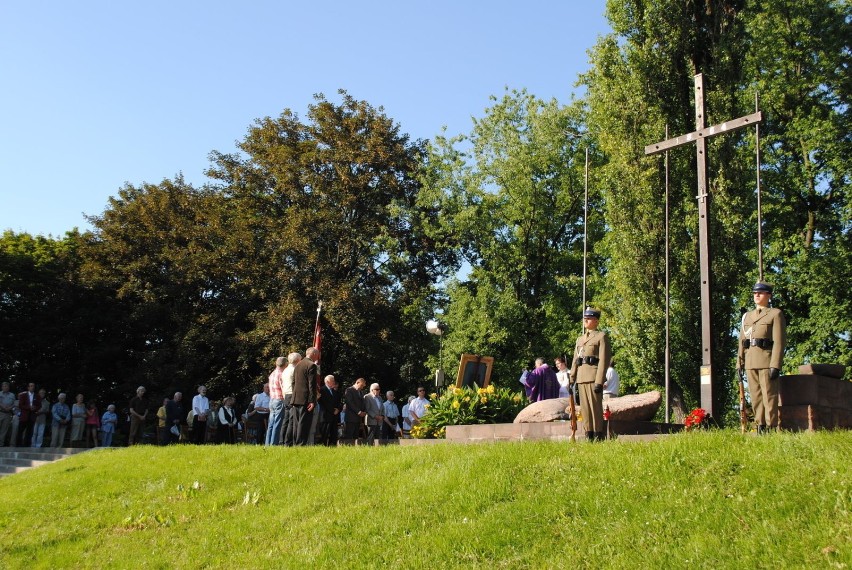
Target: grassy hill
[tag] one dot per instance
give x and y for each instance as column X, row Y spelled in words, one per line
column 700, row 500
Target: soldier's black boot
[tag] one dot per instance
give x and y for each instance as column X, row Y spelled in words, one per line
column 599, row 435
column 760, row 429
column 590, row 436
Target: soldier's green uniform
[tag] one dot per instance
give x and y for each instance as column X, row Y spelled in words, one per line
column 761, row 354
column 592, row 355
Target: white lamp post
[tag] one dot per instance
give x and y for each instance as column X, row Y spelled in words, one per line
column 434, row 327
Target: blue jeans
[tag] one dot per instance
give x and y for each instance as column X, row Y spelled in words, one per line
column 276, row 422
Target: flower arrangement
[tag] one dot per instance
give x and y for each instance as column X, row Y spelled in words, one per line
column 466, row 406
column 695, row 419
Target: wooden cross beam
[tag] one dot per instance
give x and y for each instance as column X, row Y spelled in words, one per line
column 699, row 137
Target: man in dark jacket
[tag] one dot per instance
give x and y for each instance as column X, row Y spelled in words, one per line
column 330, row 404
column 304, row 396
column 355, row 411
column 175, row 416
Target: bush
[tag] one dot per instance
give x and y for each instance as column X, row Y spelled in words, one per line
column 467, row 406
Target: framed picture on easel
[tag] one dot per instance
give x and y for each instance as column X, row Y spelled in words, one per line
column 474, row 371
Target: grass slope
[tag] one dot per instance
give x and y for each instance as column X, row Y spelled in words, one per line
column 700, row 500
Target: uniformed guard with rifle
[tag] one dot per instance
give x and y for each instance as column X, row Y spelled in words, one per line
column 592, row 355
column 763, row 337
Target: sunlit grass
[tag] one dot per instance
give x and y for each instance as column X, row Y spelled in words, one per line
column 714, row 499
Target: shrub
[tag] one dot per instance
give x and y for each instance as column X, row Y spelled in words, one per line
column 466, row 406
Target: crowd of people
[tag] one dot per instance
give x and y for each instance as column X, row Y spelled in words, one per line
column 293, row 408
column 28, row 418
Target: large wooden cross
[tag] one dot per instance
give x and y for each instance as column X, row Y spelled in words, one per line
column 699, row 137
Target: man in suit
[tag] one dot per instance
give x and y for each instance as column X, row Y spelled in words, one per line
column 761, row 352
column 375, row 413
column 354, row 410
column 330, row 405
column 592, row 354
column 29, row 403
column 175, row 417
column 304, row 396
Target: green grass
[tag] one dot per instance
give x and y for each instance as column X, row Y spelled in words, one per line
column 700, row 500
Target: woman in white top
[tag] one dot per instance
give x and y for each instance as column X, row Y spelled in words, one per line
column 563, row 376
column 200, row 407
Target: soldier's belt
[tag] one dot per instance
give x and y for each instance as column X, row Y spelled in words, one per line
column 758, row 342
column 591, row 360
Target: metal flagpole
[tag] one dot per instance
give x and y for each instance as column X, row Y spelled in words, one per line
column 585, row 233
column 667, row 353
column 759, row 211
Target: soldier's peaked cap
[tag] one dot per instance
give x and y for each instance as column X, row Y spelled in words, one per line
column 762, row 287
column 593, row 313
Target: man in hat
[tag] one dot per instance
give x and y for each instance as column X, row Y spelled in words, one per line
column 763, row 337
column 588, row 371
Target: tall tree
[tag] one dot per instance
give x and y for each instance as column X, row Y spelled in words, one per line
column 799, row 59
column 796, row 55
column 163, row 251
column 514, row 193
column 55, row 330
column 331, row 208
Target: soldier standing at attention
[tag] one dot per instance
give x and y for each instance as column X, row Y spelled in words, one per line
column 761, row 352
column 588, row 372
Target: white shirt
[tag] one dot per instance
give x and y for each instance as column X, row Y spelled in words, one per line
column 564, row 378
column 200, row 404
column 417, row 406
column 287, row 378
column 262, row 401
column 391, row 410
column 612, row 382
column 406, row 418
column 224, row 420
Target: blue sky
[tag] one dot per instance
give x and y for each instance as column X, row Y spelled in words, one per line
column 94, row 94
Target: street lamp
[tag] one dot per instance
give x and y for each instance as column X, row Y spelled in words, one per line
column 436, row 328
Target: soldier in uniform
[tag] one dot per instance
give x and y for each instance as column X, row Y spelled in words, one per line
column 588, row 373
column 761, row 352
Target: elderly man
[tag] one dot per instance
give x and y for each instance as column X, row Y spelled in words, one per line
column 375, row 413
column 354, row 410
column 330, row 406
column 61, row 414
column 7, row 405
column 138, row 413
column 304, row 396
column 390, row 426
column 287, row 387
column 175, row 417
column 200, row 411
column 261, row 406
column 29, row 403
column 276, row 402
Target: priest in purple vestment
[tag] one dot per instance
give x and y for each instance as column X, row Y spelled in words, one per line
column 541, row 383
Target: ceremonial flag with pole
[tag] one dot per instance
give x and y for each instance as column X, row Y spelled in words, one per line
column 318, row 346
column 318, row 331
